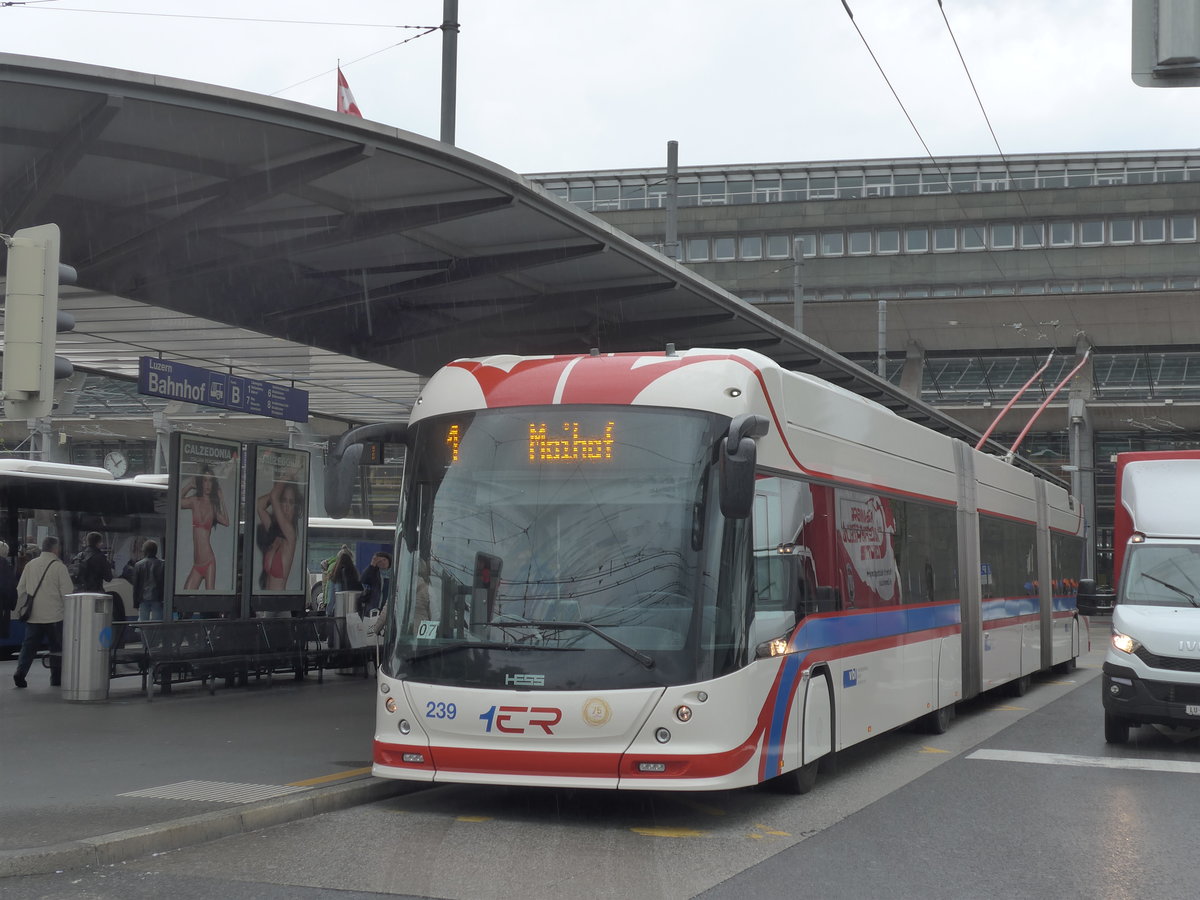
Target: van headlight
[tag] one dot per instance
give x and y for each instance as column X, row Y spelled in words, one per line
column 1125, row 643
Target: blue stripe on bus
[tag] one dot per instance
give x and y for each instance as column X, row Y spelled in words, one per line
column 1065, row 604
column 829, row 631
column 788, row 675
column 1008, row 607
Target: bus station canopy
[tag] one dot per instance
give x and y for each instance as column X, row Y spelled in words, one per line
column 351, row 259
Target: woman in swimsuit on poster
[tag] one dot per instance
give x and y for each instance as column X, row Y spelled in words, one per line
column 278, row 528
column 203, row 498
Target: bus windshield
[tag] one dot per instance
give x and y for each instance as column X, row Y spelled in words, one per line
column 565, row 547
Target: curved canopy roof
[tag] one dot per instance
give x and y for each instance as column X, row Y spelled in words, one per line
column 288, row 243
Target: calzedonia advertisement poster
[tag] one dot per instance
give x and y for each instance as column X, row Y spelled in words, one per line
column 280, row 521
column 206, row 546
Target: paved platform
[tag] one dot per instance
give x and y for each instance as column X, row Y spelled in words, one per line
column 96, row 783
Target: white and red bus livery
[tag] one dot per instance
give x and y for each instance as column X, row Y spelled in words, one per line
column 698, row 571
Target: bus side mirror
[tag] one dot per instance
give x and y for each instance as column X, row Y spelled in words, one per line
column 342, row 461
column 738, row 457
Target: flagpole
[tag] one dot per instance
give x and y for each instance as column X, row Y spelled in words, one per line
column 449, row 67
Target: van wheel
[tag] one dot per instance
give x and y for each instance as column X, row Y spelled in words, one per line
column 1116, row 729
column 798, row 781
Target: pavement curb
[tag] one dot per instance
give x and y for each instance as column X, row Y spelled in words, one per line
column 119, row 846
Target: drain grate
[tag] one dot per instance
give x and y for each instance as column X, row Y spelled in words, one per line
column 216, row 791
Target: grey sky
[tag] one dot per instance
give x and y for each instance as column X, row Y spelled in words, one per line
column 551, row 85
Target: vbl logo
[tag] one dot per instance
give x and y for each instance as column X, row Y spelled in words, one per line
column 850, row 678
column 516, row 719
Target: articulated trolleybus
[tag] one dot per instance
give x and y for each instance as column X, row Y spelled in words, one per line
column 696, row 571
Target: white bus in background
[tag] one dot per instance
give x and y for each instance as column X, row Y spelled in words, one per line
column 38, row 499
column 695, row 571
column 326, row 536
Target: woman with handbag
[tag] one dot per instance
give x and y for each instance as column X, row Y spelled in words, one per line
column 46, row 581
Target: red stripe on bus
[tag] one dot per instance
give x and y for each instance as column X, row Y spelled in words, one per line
column 556, row 763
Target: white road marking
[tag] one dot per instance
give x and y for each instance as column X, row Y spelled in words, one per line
column 1095, row 762
column 216, row 791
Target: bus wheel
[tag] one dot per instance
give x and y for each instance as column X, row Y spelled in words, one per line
column 938, row 721
column 1116, row 729
column 1020, row 687
column 798, row 781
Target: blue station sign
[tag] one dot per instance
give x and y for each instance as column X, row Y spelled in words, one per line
column 191, row 384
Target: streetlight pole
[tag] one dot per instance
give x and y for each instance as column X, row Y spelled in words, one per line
column 797, row 286
column 449, row 68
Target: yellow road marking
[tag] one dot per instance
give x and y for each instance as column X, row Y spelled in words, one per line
column 337, row 776
column 768, row 830
column 933, row 750
column 472, row 818
column 669, row 832
column 1013, row 708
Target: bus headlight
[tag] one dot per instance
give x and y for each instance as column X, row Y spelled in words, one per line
column 683, row 713
column 390, row 704
column 403, row 726
column 1125, row 643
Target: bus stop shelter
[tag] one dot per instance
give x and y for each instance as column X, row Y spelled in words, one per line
column 351, row 259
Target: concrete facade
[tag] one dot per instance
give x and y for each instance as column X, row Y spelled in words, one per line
column 1009, row 259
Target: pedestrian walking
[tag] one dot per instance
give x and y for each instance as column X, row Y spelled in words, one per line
column 47, row 580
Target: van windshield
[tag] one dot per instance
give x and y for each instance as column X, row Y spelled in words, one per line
column 1163, row 575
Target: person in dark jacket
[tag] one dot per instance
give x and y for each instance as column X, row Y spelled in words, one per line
column 377, row 584
column 95, row 569
column 149, row 584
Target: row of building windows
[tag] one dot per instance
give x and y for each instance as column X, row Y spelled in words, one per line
column 1115, row 376
column 600, row 192
column 1093, row 232
column 999, row 289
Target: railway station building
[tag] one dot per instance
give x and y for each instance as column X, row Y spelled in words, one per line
column 957, row 278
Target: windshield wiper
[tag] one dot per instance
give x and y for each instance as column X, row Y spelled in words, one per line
column 641, row 657
column 480, row 645
column 1167, row 584
column 462, row 645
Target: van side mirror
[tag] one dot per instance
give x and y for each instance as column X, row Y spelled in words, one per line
column 738, row 457
column 343, row 457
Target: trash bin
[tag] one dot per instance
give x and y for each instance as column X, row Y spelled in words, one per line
column 87, row 636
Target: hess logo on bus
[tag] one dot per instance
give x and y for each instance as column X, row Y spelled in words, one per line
column 521, row 719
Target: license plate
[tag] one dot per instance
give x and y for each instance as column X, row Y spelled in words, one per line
column 1192, row 710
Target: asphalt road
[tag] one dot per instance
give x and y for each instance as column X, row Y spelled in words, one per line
column 1020, row 799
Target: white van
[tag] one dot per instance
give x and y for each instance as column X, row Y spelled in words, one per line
column 1152, row 670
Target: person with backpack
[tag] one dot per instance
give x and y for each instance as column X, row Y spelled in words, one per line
column 149, row 584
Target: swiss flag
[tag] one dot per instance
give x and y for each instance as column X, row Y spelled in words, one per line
column 345, row 100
